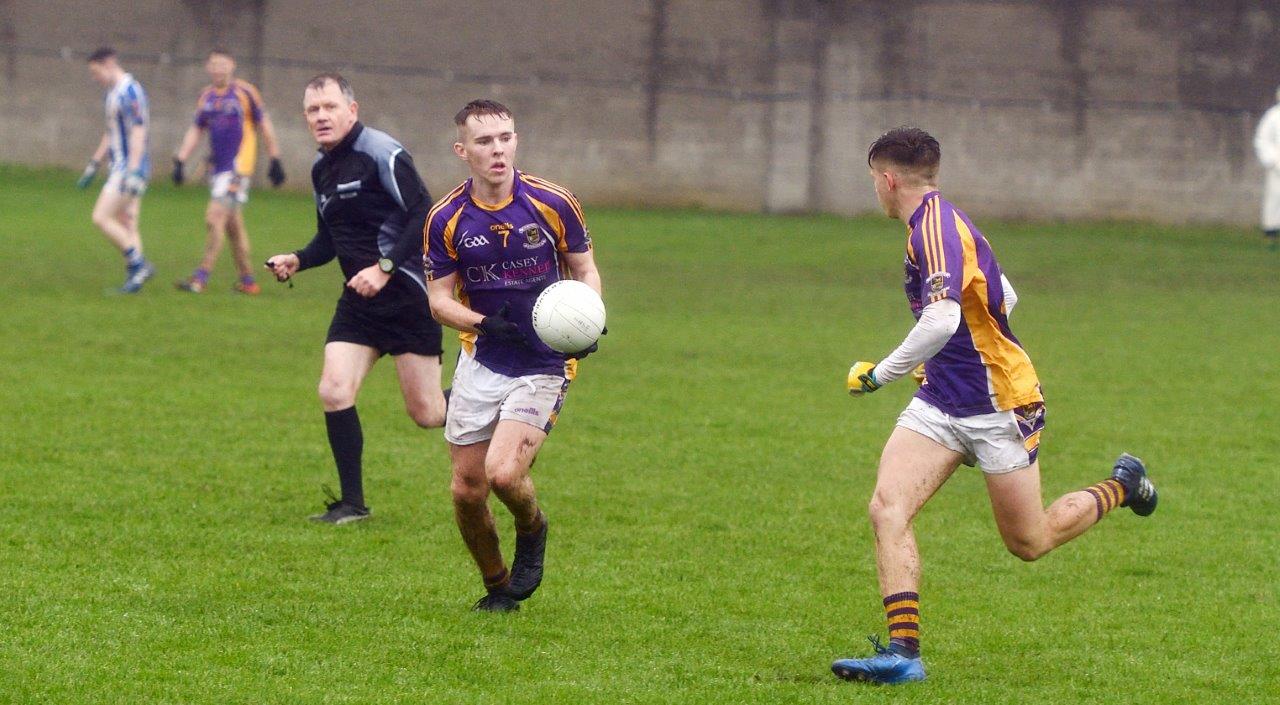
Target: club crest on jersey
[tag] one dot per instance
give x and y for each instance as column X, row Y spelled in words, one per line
column 532, row 236
column 938, row 282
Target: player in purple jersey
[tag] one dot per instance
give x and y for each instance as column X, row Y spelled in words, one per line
column 230, row 110
column 979, row 404
column 119, row 204
column 492, row 245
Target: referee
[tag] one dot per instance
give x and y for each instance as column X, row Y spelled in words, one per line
column 370, row 210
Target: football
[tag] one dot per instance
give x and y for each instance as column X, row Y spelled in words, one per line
column 568, row 316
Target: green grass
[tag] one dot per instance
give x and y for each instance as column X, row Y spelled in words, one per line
column 707, row 482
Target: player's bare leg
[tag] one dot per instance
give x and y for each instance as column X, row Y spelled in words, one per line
column 511, row 454
column 912, row 468
column 345, row 367
column 420, row 385
column 116, row 215
column 1030, row 531
column 239, row 237
column 215, row 226
column 470, row 490
column 111, row 216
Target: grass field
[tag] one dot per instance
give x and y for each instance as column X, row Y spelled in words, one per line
column 707, row 483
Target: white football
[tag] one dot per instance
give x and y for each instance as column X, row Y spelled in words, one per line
column 568, row 316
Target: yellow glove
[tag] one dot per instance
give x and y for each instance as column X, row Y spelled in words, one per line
column 918, row 374
column 862, row 378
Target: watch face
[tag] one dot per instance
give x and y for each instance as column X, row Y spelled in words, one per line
column 386, row 265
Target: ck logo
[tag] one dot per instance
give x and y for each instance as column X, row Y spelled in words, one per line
column 476, row 241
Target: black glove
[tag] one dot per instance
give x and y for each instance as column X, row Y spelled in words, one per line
column 275, row 174
column 595, row 347
column 179, row 175
column 497, row 326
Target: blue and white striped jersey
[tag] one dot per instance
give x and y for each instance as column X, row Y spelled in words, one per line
column 126, row 105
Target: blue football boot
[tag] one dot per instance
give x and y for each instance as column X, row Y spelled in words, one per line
column 887, row 667
column 1139, row 494
column 136, row 276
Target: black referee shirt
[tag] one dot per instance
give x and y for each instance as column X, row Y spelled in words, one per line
column 370, row 203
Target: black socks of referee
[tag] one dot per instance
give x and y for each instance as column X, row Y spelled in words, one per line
column 347, row 441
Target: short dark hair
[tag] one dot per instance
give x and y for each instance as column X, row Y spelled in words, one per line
column 481, row 107
column 320, row 80
column 220, row 51
column 101, row 54
column 911, row 148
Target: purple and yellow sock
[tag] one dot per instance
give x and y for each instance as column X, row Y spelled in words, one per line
column 1107, row 495
column 201, row 275
column 903, row 612
column 246, row 279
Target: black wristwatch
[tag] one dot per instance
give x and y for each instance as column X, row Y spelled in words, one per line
column 386, row 265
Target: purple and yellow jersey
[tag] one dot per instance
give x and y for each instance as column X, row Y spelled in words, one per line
column 982, row 369
column 231, row 116
column 507, row 253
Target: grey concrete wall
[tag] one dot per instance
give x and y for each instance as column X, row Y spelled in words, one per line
column 1063, row 108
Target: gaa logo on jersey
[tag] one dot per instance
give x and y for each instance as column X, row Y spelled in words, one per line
column 532, row 236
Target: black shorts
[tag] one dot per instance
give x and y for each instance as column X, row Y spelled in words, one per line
column 391, row 330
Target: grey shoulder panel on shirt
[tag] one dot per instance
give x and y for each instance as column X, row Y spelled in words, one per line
column 382, row 148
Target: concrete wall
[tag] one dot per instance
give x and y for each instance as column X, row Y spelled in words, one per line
column 1073, row 108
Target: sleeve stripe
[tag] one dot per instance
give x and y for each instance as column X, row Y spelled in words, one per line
column 939, row 262
column 444, row 202
column 449, row 230
column 246, row 105
column 561, row 192
column 926, row 236
column 254, row 94
column 435, row 210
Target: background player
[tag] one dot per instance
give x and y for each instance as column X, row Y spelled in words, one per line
column 1266, row 143
column 980, row 404
column 494, row 243
column 230, row 110
column 125, row 141
column 371, row 207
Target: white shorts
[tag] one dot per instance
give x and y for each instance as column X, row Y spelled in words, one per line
column 482, row 397
column 230, row 188
column 997, row 443
column 115, row 184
